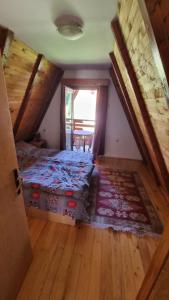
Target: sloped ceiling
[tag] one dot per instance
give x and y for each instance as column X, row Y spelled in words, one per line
column 31, row 81
column 134, row 55
column 33, row 22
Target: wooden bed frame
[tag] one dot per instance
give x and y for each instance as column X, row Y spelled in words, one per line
column 49, row 216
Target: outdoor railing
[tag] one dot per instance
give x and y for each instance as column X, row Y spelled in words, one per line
column 79, row 134
column 80, row 124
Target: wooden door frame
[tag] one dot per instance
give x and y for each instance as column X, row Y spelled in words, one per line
column 84, row 83
column 80, row 84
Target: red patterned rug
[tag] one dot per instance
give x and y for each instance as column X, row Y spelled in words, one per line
column 119, row 201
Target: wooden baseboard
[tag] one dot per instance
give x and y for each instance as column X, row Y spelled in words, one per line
column 49, row 216
column 103, row 157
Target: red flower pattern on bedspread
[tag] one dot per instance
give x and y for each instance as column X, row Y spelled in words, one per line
column 57, row 182
column 35, row 195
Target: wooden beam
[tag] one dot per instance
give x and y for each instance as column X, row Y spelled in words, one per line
column 156, row 19
column 85, row 83
column 56, row 81
column 27, row 93
column 128, row 108
column 6, row 37
column 3, row 37
column 144, row 112
column 157, row 263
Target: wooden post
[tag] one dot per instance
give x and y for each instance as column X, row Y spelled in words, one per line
column 62, row 120
column 128, row 108
column 27, row 93
column 144, row 112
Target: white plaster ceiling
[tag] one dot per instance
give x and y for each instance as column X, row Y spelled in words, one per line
column 33, row 22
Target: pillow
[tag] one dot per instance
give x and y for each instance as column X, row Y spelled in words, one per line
column 24, row 149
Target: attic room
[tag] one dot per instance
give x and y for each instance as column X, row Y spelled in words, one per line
column 84, row 143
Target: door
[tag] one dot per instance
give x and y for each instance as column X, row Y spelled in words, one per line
column 69, row 116
column 15, row 249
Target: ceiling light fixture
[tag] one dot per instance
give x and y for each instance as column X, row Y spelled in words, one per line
column 70, row 27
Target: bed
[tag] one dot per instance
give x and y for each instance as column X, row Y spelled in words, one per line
column 55, row 181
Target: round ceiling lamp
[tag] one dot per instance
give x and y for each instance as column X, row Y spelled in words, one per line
column 70, row 27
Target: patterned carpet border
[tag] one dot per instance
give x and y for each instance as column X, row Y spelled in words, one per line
column 153, row 227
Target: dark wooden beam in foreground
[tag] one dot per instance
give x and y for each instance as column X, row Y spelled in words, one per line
column 144, row 112
column 130, row 113
column 156, row 267
column 26, row 96
column 156, row 19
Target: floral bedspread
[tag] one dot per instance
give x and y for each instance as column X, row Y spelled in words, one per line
column 55, row 181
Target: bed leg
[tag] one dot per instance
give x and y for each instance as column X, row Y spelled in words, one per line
column 78, row 223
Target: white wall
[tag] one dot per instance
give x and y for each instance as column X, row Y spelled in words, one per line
column 50, row 126
column 119, row 139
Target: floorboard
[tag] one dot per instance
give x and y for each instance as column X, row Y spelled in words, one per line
column 85, row 263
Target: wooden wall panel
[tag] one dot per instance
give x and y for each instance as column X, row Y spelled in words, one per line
column 135, row 106
column 140, row 52
column 156, row 19
column 17, row 70
column 130, row 113
column 31, row 81
column 44, row 85
column 138, row 44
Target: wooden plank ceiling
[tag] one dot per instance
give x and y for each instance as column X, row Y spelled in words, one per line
column 31, row 81
column 134, row 55
column 156, row 19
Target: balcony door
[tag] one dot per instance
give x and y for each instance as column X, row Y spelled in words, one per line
column 80, row 110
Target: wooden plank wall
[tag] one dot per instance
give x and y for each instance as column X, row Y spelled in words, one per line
column 45, row 83
column 156, row 18
column 128, row 108
column 31, row 81
column 17, row 70
column 140, row 52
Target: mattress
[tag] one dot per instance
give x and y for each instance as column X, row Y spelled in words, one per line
column 55, row 181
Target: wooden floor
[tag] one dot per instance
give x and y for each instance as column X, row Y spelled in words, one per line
column 84, row 263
